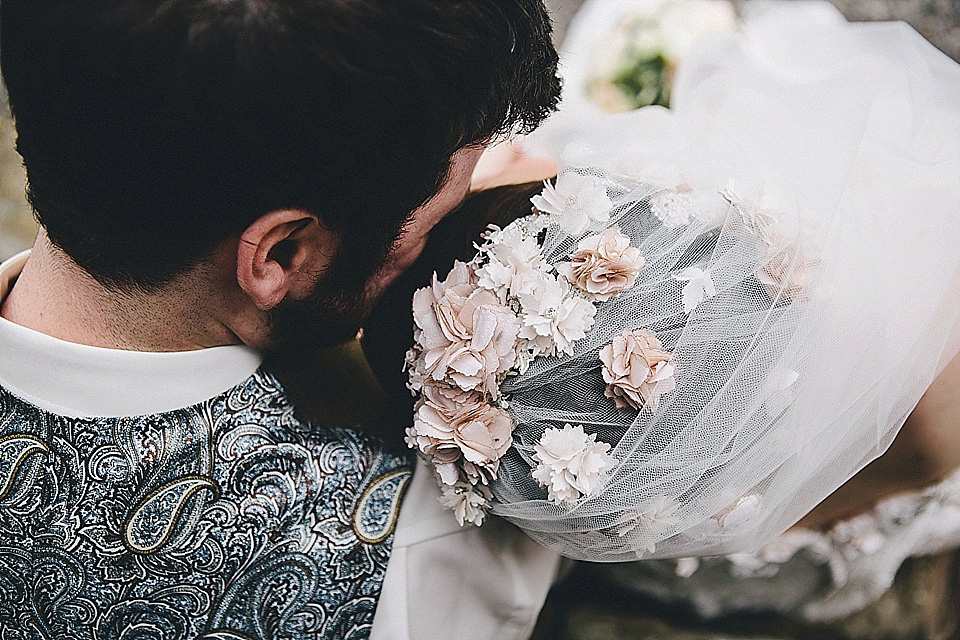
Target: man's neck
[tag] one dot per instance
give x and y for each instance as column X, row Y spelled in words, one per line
column 56, row 297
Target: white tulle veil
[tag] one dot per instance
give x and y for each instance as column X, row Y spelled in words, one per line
column 798, row 210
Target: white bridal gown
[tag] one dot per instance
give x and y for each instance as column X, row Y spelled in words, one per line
column 862, row 120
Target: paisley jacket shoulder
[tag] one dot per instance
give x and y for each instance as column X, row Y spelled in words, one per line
column 228, row 520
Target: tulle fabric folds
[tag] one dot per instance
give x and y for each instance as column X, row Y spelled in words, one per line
column 811, row 167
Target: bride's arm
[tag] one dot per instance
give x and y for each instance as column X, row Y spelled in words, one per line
column 508, row 164
column 925, row 452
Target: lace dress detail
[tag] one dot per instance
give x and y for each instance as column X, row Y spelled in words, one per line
column 811, row 575
column 229, row 520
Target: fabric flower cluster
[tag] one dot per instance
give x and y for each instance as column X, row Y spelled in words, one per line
column 465, row 343
column 491, row 318
column 466, row 335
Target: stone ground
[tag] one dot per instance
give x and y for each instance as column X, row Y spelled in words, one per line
column 922, row 605
column 924, row 602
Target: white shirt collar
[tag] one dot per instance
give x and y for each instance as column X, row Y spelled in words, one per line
column 80, row 381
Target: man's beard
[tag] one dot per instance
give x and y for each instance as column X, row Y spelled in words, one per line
column 332, row 314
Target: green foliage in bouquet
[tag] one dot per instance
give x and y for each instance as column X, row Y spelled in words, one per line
column 631, row 63
column 646, row 82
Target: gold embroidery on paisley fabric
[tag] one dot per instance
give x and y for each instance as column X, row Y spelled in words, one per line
column 223, row 634
column 402, row 479
column 14, row 451
column 165, row 505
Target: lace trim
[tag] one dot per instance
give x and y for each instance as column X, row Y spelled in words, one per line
column 862, row 554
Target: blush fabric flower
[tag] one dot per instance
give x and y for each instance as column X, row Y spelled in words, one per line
column 636, row 369
column 449, row 428
column 466, row 335
column 427, row 303
column 571, row 463
column 604, row 265
column 576, row 201
column 788, row 271
column 444, row 455
column 468, row 503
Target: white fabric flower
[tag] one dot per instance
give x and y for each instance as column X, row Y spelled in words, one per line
column 574, row 318
column 661, row 511
column 511, row 255
column 575, row 200
column 603, row 265
column 699, row 287
column 571, row 463
column 469, row 503
column 741, row 512
column 551, row 318
column 540, row 296
column 672, row 208
column 496, row 277
column 647, row 523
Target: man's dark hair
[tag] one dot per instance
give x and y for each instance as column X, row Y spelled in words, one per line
column 153, row 131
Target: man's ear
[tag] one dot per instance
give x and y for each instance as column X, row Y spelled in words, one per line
column 283, row 253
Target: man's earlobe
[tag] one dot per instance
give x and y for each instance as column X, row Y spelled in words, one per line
column 281, row 254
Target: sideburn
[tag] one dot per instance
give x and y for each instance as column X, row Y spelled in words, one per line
column 336, row 309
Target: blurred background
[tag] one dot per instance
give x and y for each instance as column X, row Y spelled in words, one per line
column 937, row 20
column 17, row 228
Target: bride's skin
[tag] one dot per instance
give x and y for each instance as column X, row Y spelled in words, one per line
column 506, row 163
column 927, row 449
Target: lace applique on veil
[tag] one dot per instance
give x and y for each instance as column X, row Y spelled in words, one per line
column 814, row 575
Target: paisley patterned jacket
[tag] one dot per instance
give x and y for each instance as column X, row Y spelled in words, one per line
column 228, row 520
